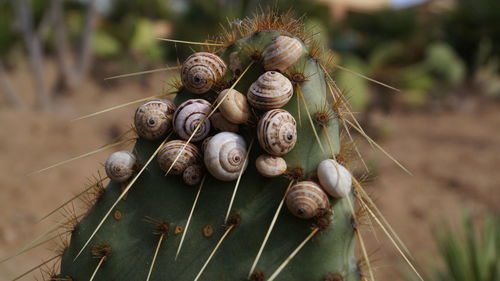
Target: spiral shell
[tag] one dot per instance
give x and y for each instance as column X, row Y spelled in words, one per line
column 200, row 71
column 153, row 119
column 222, row 124
column 225, row 156
column 282, row 53
column 334, row 178
column 271, row 90
column 120, row 165
column 270, row 166
column 306, row 199
column 277, row 132
column 234, row 106
column 170, row 150
column 187, row 117
column 204, row 144
column 192, row 175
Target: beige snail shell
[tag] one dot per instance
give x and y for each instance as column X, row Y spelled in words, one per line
column 234, row 106
column 153, row 119
column 225, row 156
column 168, row 153
column 306, row 199
column 282, row 53
column 189, row 115
column 222, row 124
column 277, row 132
column 271, row 90
column 201, row 71
column 192, row 175
column 270, row 166
column 334, row 178
column 120, row 165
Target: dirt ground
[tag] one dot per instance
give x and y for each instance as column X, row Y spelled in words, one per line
column 454, row 158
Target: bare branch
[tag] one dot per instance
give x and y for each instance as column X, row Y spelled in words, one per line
column 8, row 90
column 85, row 54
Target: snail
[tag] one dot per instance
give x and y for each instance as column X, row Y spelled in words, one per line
column 170, row 150
column 188, row 116
column 120, row 165
column 306, row 199
column 271, row 90
column 334, row 178
column 282, row 53
column 192, row 175
column 222, row 124
column 201, row 70
column 153, row 119
column 270, row 166
column 234, row 106
column 277, row 132
column 225, row 156
column 204, row 144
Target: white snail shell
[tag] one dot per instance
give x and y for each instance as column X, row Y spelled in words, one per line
column 225, row 156
column 153, row 119
column 234, row 106
column 277, row 132
column 222, row 124
column 306, row 199
column 192, row 175
column 167, row 154
column 271, row 90
column 120, row 165
column 201, row 70
column 270, row 166
column 282, row 53
column 189, row 115
column 334, row 178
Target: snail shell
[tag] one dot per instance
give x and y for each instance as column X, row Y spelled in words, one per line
column 225, row 156
column 200, row 71
column 282, row 53
column 234, row 107
column 334, row 178
column 222, row 124
column 153, row 119
column 277, row 132
column 270, row 166
column 271, row 90
column 170, row 150
column 306, row 199
column 192, row 175
column 187, row 117
column 204, row 144
column 120, row 165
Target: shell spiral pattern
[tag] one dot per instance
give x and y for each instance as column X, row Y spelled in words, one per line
column 225, row 156
column 188, row 116
column 120, row 166
column 282, row 53
column 234, row 107
column 277, row 132
column 200, row 71
column 153, row 119
column 271, row 90
column 169, row 152
column 306, row 199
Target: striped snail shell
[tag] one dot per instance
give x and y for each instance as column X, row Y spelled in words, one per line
column 277, row 132
column 270, row 166
column 222, row 124
column 334, row 178
column 225, row 156
column 188, row 116
column 120, row 165
column 234, row 106
column 200, row 71
column 192, row 175
column 271, row 90
column 306, row 199
column 204, row 144
column 170, row 150
column 153, row 119
column 282, row 53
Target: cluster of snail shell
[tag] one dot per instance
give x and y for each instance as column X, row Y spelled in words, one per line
column 224, row 155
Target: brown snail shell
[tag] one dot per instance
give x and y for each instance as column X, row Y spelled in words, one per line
column 271, row 90
column 277, row 132
column 187, row 117
column 234, row 106
column 270, row 166
column 120, row 165
column 222, row 124
column 153, row 119
column 192, row 175
column 225, row 156
column 335, row 179
column 170, row 150
column 282, row 53
column 201, row 71
column 306, row 199
column 204, row 144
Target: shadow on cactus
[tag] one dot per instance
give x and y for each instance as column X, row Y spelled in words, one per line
column 243, row 175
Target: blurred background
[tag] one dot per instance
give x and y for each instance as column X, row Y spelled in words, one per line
column 444, row 124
